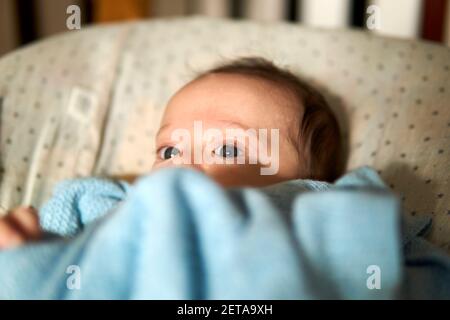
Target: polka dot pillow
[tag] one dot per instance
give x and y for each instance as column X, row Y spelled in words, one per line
column 89, row 102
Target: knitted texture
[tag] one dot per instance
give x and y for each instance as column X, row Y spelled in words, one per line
column 78, row 202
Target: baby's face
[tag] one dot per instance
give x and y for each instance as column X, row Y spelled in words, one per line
column 231, row 101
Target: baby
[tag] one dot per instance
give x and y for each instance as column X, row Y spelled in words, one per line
column 248, row 93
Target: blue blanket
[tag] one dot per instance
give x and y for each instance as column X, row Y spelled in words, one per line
column 178, row 235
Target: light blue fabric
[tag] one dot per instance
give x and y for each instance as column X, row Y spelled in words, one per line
column 78, row 202
column 178, row 235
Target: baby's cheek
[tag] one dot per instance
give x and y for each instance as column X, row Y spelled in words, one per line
column 160, row 164
column 157, row 165
column 238, row 175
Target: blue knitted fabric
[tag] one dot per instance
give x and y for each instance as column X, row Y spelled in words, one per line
column 179, row 235
column 76, row 203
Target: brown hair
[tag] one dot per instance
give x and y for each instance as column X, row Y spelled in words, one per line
column 319, row 134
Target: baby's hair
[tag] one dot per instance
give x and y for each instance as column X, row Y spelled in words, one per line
column 319, row 138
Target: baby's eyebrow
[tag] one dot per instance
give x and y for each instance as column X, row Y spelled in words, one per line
column 232, row 123
column 161, row 129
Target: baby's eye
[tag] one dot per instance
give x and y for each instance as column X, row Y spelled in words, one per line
column 169, row 152
column 228, row 151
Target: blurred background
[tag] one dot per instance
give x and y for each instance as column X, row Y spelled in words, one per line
column 24, row 21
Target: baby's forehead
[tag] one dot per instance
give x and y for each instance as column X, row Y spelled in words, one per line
column 249, row 101
column 240, row 83
column 237, row 91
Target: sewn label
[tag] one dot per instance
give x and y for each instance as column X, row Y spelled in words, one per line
column 82, row 104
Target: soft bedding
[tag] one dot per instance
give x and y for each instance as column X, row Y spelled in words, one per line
column 88, row 102
column 178, row 235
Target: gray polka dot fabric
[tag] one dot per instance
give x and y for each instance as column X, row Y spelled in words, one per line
column 89, row 102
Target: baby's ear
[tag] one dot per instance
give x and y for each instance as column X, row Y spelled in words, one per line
column 130, row 178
